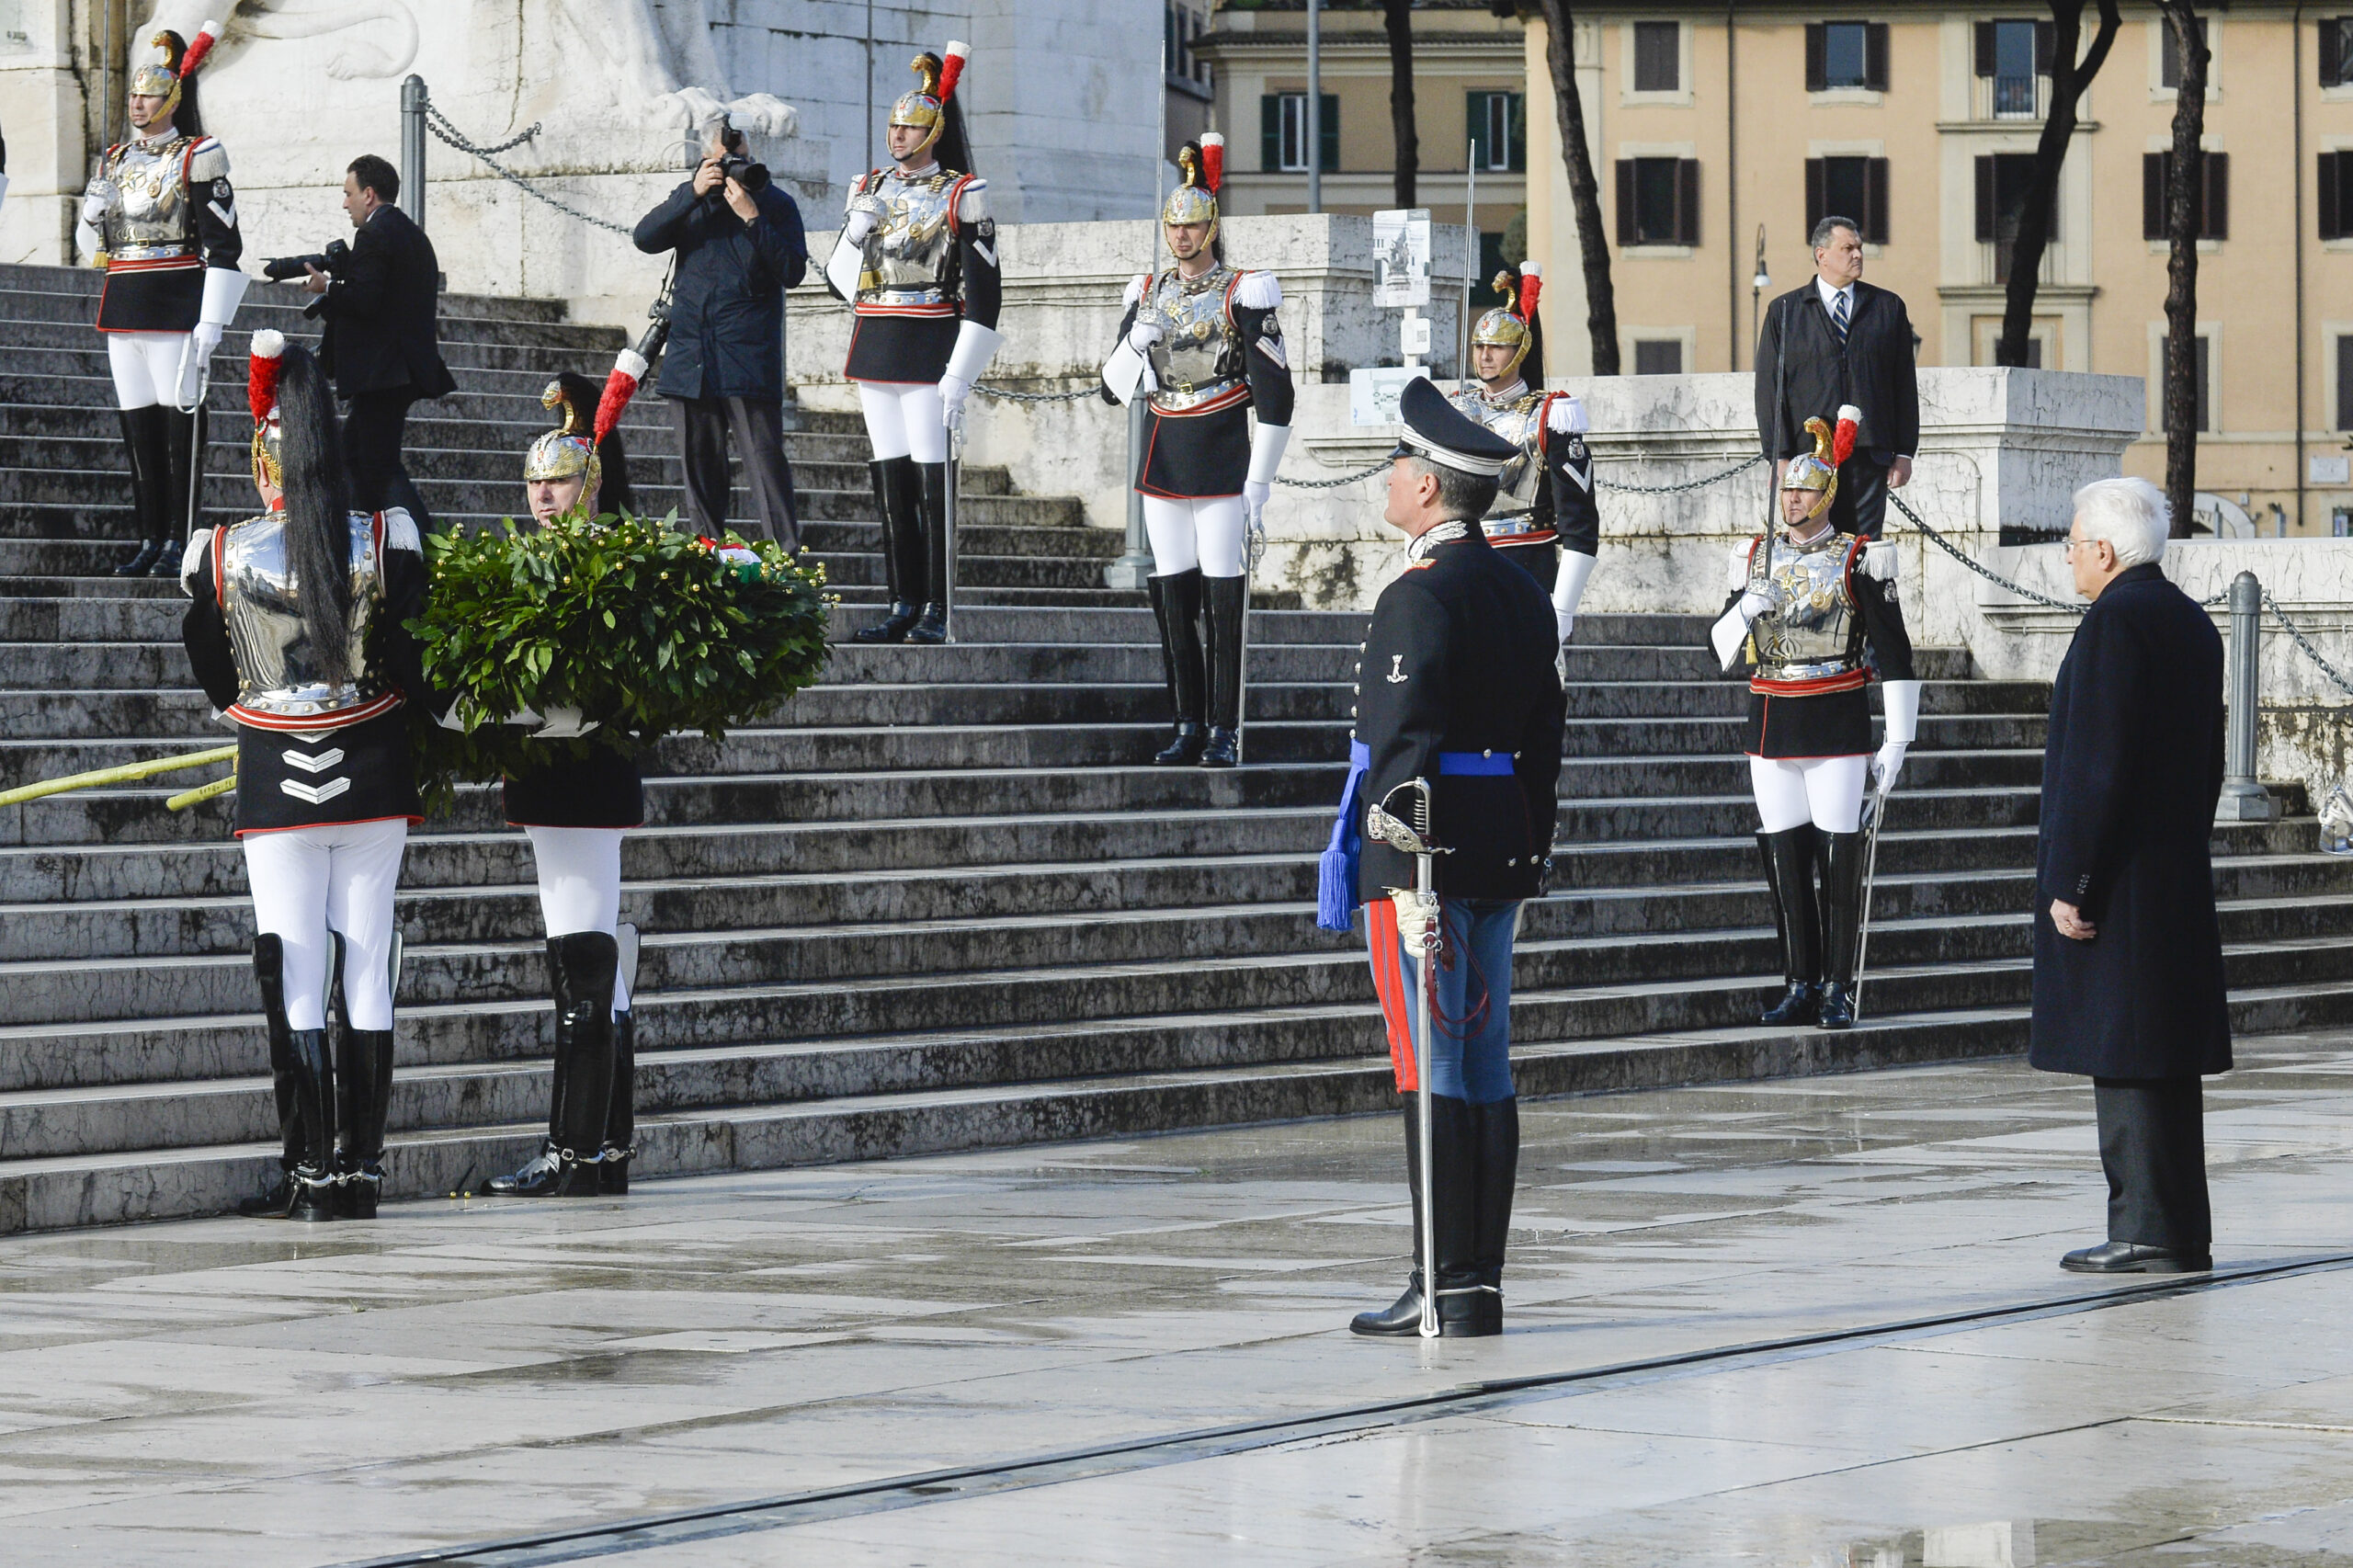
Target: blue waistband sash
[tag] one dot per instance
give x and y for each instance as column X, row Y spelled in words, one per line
column 1335, row 869
column 1474, row 765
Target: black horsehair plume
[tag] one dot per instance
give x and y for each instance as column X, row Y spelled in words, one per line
column 318, row 512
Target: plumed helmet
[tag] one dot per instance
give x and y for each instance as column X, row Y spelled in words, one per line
column 1200, row 167
column 1507, row 326
column 163, row 78
column 1818, row 469
column 569, row 449
column 925, row 108
column 264, row 358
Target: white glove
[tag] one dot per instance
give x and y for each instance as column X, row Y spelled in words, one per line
column 1885, row 766
column 564, row 724
column 1144, row 333
column 1415, row 919
column 953, row 389
column 1255, row 495
column 859, row 218
column 1732, row 627
column 1752, row 605
column 96, row 200
column 207, row 334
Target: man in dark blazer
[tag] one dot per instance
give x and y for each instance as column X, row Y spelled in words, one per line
column 740, row 246
column 2128, row 955
column 382, row 340
column 1836, row 340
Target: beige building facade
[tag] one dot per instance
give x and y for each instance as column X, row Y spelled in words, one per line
column 1710, row 129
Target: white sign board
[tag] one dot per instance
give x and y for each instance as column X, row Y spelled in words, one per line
column 1373, row 394
column 1401, row 256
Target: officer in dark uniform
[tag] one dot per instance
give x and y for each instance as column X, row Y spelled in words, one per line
column 1457, row 692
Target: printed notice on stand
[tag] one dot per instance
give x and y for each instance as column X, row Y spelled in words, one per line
column 1401, row 256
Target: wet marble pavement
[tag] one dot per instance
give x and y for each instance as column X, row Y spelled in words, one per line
column 257, row 1394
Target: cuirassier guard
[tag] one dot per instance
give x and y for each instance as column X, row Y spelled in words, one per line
column 162, row 219
column 917, row 263
column 1806, row 603
column 1545, row 518
column 1459, row 730
column 1203, row 341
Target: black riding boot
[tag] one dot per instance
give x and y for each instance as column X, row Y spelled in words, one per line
column 1405, row 1316
column 580, row 968
column 1497, row 1126
column 1176, row 605
column 187, row 433
column 1842, row 926
column 147, row 437
column 1224, row 596
column 1789, row 875
column 312, row 1181
column 932, row 626
column 364, row 1073
column 896, row 491
column 620, row 1115
column 270, row 974
column 1454, row 1188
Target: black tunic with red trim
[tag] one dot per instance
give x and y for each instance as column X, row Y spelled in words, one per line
column 353, row 767
column 1831, row 715
column 602, row 789
column 912, row 342
column 1203, row 452
column 165, row 293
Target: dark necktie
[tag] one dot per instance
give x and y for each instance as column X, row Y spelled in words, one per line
column 1839, row 314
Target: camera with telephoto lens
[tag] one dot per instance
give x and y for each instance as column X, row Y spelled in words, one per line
column 287, row 269
column 737, row 166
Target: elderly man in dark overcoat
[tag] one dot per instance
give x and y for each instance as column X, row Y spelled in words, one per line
column 2128, row 955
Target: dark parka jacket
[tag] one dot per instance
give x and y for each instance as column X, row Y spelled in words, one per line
column 2131, row 775
column 727, row 299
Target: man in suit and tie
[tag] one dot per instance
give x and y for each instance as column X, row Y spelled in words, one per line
column 1835, row 340
column 381, row 341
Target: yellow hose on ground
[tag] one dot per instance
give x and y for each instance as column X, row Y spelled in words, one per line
column 130, row 772
column 201, row 793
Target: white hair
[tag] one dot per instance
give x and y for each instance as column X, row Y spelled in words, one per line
column 2130, row 513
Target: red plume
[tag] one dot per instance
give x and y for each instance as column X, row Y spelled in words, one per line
column 952, row 67
column 621, row 386
column 1212, row 161
column 1531, row 289
column 205, row 39
column 261, row 373
column 1842, row 441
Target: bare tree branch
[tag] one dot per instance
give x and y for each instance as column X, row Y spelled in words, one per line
column 2069, row 77
column 1585, row 193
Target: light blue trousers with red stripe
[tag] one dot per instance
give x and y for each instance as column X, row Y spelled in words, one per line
column 1470, row 1011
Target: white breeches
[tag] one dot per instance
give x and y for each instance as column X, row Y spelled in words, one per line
column 1824, row 790
column 904, row 419
column 1205, row 532
column 147, row 371
column 580, row 885
column 308, row 881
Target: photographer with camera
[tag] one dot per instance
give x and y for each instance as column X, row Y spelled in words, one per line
column 740, row 246
column 382, row 342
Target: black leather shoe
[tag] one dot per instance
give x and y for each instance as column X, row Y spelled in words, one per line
column 167, row 563
column 271, row 1204
column 538, row 1178
column 1185, row 749
column 312, row 1194
column 1405, row 1317
column 142, row 563
column 356, row 1192
column 2132, row 1258
column 891, row 627
column 1803, row 1004
column 1464, row 1307
column 1837, row 1007
column 1224, row 748
column 931, row 626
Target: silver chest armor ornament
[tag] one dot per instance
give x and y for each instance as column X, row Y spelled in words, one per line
column 1518, row 420
column 150, row 213
column 1811, row 631
column 277, row 666
column 909, row 257
column 1199, row 356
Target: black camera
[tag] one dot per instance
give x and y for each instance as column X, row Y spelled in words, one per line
column 752, row 177
column 331, row 261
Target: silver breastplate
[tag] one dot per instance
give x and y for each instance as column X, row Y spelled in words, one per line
column 151, row 216
column 1811, row 631
column 1199, row 356
column 910, row 256
column 1518, row 420
column 278, row 667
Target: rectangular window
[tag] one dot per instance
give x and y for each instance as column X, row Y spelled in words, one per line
column 2205, row 408
column 1658, row 57
column 1484, row 298
column 2337, row 195
column 2335, row 51
column 1282, row 133
column 2003, row 180
column 2212, row 217
column 1658, row 356
column 1498, row 132
column 1853, row 189
column 1846, row 55
column 2344, row 383
column 1658, row 202
column 2169, row 57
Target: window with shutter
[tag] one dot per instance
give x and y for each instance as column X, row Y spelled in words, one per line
column 2015, row 58
column 1658, row 356
column 2204, row 420
column 1816, row 67
column 1846, row 55
column 1847, row 193
column 2003, row 180
column 1686, row 201
column 2344, row 383
column 2211, row 221
column 1282, row 133
column 1875, row 56
column 2336, row 34
column 1658, row 202
column 1658, row 57
column 2336, row 196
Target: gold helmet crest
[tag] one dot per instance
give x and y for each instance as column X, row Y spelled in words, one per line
column 1200, row 167
column 1507, row 326
column 1818, row 469
column 925, row 108
column 162, row 79
column 568, row 451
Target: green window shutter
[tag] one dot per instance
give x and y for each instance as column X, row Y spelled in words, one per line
column 1475, row 110
column 1328, row 133
column 1518, row 118
column 1270, row 133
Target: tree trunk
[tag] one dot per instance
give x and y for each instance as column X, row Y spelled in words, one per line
column 1398, row 16
column 2181, row 267
column 2068, row 80
column 1584, row 192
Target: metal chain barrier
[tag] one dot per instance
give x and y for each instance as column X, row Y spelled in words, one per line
column 1007, row 394
column 439, row 123
column 1688, row 486
column 2335, row 675
column 1365, row 472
